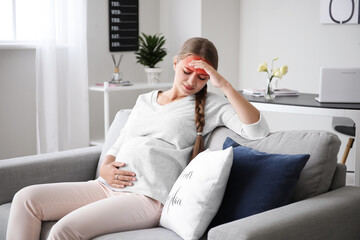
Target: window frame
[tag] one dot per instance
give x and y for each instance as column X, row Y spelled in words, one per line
column 14, row 43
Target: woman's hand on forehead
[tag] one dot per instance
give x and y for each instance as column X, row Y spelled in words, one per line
column 216, row 79
column 200, row 67
column 191, row 63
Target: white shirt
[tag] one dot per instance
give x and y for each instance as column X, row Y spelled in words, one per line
column 157, row 141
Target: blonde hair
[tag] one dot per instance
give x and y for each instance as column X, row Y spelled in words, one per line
column 205, row 49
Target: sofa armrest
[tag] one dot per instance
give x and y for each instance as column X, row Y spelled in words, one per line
column 66, row 166
column 332, row 215
column 339, row 178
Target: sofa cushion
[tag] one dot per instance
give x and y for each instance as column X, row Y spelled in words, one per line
column 197, row 193
column 142, row 234
column 258, row 182
column 112, row 135
column 158, row 233
column 322, row 146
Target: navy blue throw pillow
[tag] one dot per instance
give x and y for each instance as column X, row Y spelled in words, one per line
column 258, row 182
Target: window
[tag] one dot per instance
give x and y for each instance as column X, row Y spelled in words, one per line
column 19, row 20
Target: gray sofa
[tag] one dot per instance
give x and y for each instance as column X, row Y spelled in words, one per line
column 322, row 207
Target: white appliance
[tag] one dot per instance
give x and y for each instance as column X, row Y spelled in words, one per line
column 339, row 85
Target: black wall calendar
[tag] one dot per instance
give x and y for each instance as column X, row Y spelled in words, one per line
column 123, row 25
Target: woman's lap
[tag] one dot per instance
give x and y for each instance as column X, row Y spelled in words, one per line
column 85, row 209
column 122, row 212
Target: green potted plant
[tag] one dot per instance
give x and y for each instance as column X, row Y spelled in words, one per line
column 151, row 52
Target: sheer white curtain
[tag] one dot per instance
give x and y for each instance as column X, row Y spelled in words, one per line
column 62, row 77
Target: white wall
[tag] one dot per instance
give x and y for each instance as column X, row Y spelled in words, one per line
column 292, row 31
column 100, row 62
column 219, row 23
column 179, row 20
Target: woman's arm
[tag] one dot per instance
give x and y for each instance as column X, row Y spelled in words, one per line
column 246, row 112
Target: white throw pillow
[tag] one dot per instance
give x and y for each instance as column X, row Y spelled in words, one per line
column 197, row 194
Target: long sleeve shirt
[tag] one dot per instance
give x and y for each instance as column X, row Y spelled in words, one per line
column 157, row 141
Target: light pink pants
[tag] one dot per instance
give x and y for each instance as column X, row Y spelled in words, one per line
column 85, row 210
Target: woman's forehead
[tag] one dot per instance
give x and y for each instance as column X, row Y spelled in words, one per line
column 190, row 58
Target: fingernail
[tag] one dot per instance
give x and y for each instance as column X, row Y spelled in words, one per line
column 133, row 179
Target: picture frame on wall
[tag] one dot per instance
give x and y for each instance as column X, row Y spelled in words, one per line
column 340, row 11
column 123, row 25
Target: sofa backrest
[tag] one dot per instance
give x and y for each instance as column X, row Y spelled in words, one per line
column 113, row 133
column 323, row 147
column 317, row 175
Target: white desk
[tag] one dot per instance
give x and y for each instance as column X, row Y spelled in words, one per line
column 136, row 86
column 305, row 103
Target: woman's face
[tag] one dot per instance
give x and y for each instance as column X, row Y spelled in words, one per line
column 189, row 80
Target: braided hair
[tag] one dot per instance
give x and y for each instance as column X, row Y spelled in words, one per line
column 200, row 99
column 205, row 49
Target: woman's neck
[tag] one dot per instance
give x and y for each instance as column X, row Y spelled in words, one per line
column 168, row 96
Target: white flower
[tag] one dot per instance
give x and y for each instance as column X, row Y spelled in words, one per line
column 284, row 70
column 277, row 72
column 262, row 67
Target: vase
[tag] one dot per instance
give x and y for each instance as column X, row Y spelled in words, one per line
column 116, row 77
column 269, row 90
column 153, row 75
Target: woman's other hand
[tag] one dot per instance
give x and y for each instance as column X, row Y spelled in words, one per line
column 113, row 175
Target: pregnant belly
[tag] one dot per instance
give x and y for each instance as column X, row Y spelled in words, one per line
column 155, row 162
